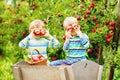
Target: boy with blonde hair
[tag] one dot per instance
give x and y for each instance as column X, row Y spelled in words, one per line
column 36, row 41
column 75, row 43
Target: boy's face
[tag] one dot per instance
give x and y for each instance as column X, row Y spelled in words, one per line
column 37, row 27
column 73, row 28
column 38, row 31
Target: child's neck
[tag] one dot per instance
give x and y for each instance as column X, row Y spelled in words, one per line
column 74, row 35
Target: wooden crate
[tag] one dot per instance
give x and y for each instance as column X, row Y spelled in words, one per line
column 23, row 71
column 82, row 70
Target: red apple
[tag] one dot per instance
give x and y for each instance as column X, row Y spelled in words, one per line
column 108, row 40
column 42, row 32
column 59, row 15
column 14, row 12
column 92, row 4
column 64, row 37
column 39, row 32
column 110, row 34
column 112, row 27
column 53, row 58
column 94, row 18
column 106, row 23
column 96, row 26
column 35, row 59
column 86, row 16
column 81, row 5
column 39, row 56
column 45, row 22
column 112, row 23
column 93, row 30
column 34, row 7
column 73, row 6
column 107, row 36
column 89, row 51
column 23, row 33
column 9, row 9
column 19, row 19
column 15, row 22
column 36, row 32
column 78, row 18
column 88, row 12
column 14, row 35
column 100, row 30
column 18, row 4
column 80, row 12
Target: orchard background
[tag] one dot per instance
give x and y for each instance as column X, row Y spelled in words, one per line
column 98, row 19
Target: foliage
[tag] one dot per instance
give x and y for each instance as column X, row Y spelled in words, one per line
column 96, row 18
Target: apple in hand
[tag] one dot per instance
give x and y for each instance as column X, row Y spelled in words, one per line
column 42, row 32
column 72, row 27
column 36, row 32
column 39, row 32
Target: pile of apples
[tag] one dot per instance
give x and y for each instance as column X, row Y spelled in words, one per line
column 36, row 58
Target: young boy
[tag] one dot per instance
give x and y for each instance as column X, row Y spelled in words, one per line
column 36, row 41
column 75, row 44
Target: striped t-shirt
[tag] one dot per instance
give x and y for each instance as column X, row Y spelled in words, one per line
column 41, row 44
column 77, row 46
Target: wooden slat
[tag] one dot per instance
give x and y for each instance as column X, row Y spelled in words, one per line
column 82, row 70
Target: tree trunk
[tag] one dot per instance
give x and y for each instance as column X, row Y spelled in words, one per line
column 111, row 73
column 115, row 40
column 100, row 57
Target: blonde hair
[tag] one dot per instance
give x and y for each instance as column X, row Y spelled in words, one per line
column 69, row 21
column 36, row 23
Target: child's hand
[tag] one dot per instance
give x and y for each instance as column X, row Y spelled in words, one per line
column 33, row 35
column 78, row 31
column 68, row 35
column 47, row 33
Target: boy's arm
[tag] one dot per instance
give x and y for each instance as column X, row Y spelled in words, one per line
column 23, row 43
column 66, row 46
column 66, row 43
column 85, row 41
column 53, row 42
